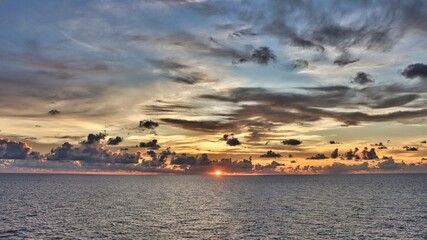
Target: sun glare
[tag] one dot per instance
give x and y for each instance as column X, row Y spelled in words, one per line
column 218, row 173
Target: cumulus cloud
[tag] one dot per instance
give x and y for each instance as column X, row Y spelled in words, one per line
column 115, row 141
column 270, row 154
column 13, row 150
column 150, row 144
column 94, row 139
column 233, row 142
column 362, row 78
column 263, row 55
column 148, row 125
column 91, row 151
column 415, row 70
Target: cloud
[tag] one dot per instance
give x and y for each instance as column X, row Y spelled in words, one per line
column 362, row 78
column 94, row 139
column 303, row 43
column 318, row 156
column 91, row 151
column 396, row 101
column 293, row 142
column 345, row 59
column 54, row 112
column 14, row 150
column 150, row 144
column 415, row 70
column 208, row 125
column 270, row 154
column 263, row 55
column 114, row 141
column 233, row 142
column 244, row 32
column 148, row 125
column 167, row 64
column 300, row 63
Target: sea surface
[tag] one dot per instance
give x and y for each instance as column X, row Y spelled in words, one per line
column 49, row 206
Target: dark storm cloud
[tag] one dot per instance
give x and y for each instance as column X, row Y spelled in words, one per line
column 270, row 154
column 362, row 78
column 13, row 150
column 114, row 141
column 293, row 142
column 415, row 70
column 53, row 112
column 150, row 144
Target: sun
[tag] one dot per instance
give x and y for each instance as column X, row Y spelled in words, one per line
column 218, row 173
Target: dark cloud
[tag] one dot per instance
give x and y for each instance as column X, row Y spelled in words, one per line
column 94, row 138
column 303, row 43
column 184, row 160
column 292, row 142
column 362, row 78
column 270, row 154
column 409, row 148
column 263, row 55
column 300, row 63
column 334, row 153
column 396, row 101
column 54, row 112
column 415, row 70
column 343, row 37
column 210, row 126
column 192, row 78
column 150, row 144
column 148, row 125
column 345, row 59
column 244, row 32
column 233, row 142
column 283, row 107
column 14, row 150
column 90, row 153
column 114, row 141
column 318, row 156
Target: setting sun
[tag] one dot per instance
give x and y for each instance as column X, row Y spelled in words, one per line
column 218, row 173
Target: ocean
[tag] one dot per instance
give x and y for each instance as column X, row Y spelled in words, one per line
column 50, row 206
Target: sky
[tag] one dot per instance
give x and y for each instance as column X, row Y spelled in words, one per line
column 195, row 86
